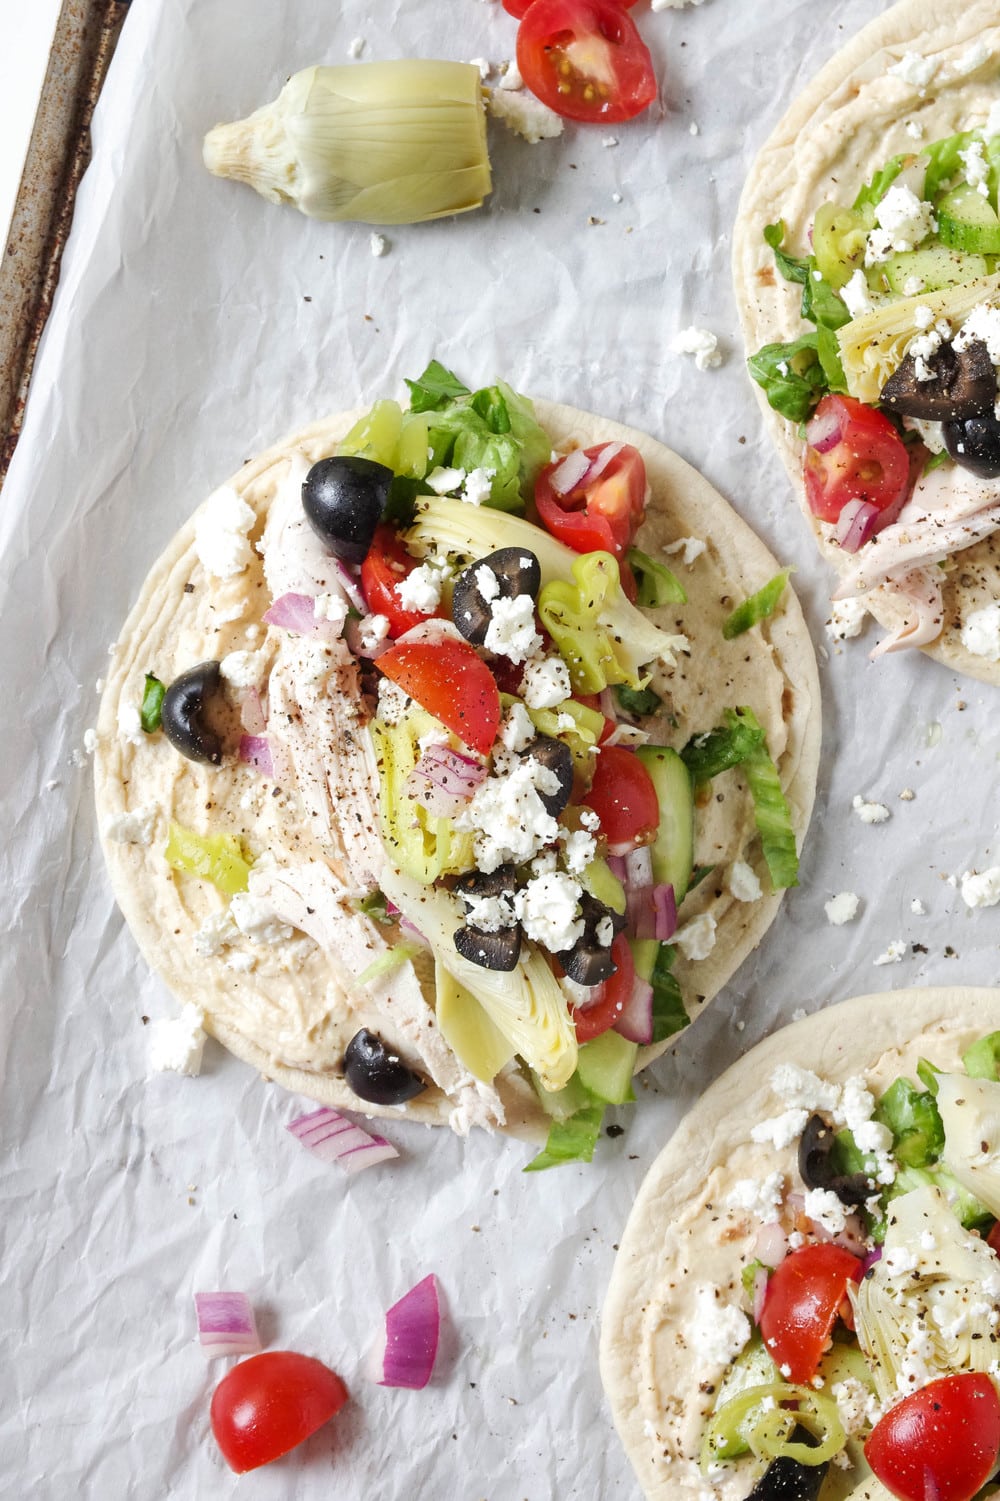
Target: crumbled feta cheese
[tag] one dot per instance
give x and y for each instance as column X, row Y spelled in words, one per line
column 914, row 130
column 981, row 888
column 378, row 244
column 421, row 588
column 842, row 908
column 393, row 703
column 691, row 547
column 700, row 342
column 221, row 534
column 856, row 295
column 490, row 913
column 696, row 939
column 215, row 933
column 900, row 1261
column 590, row 820
column 511, row 77
column 976, row 167
column 693, row 128
column 549, row 910
column 847, row 617
column 918, row 907
column 914, row 69
column 893, row 954
column 130, row 724
column 870, row 812
column 507, row 815
column 477, row 486
column 517, row 729
column 672, row 4
column 609, row 141
column 800, row 1086
column 243, row 670
column 761, row 1198
column 781, row 1130
column 605, row 932
column 545, row 683
column 90, row 741
column 356, row 47
column 903, row 221
column 487, row 583
column 331, row 607
column 511, row 632
column 373, row 631
column 744, row 882
column 135, row 827
column 982, row 323
column 257, row 919
column 525, row 115
column 717, row 1330
column 444, row 481
column 975, row 55
column 857, row 1404
column 176, row 1045
column 823, row 1206
column 981, row 632
column 579, row 849
column 930, row 433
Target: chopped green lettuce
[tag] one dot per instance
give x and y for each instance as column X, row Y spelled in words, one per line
column 705, row 756
column 981, row 1060
column 913, row 1118
column 393, row 959
column 790, row 375
column 875, row 190
column 792, row 268
column 434, row 389
column 758, row 607
column 152, row 704
column 655, row 583
column 570, row 1140
column 637, row 701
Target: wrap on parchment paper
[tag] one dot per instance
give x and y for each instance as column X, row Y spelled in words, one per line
column 922, row 71
column 687, row 1230
column 290, row 1007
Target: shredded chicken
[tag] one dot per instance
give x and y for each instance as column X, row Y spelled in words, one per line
column 922, row 591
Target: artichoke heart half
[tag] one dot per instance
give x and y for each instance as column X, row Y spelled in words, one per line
column 382, row 143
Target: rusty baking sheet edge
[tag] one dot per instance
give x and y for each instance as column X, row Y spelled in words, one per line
column 58, row 153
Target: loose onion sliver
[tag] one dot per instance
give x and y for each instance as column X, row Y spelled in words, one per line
column 665, row 908
column 333, row 1138
column 255, row 751
column 412, row 1331
column 297, row 613
column 771, row 1245
column 823, row 431
column 252, row 716
column 636, row 1020
column 226, row 1325
column 351, row 587
column 857, row 522
column 571, row 472
column 639, row 868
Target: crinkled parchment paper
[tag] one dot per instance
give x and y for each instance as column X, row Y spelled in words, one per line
column 195, row 324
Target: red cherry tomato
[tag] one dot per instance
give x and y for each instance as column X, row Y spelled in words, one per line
column 941, row 1441
column 271, row 1402
column 592, row 701
column 860, row 456
column 386, row 565
column 993, row 1239
column 585, row 59
column 601, row 513
column 624, row 798
column 801, row 1303
column 450, row 681
column 601, row 1012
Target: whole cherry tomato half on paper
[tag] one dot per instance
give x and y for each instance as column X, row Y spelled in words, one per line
column 269, row 1404
column 450, row 681
column 585, row 59
column 594, row 498
column 853, row 453
column 804, row 1295
column 941, row 1441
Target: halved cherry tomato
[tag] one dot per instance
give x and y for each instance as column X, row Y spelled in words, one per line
column 941, row 1441
column 385, row 566
column 600, row 1013
column 585, row 59
column 600, row 514
column 801, row 1304
column 270, row 1403
column 451, row 682
column 623, row 796
column 860, row 457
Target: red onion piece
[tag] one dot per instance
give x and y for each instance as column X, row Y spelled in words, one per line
column 616, row 865
column 334, row 1138
column 823, row 431
column 297, row 613
column 665, row 908
column 858, row 521
column 636, row 1020
column 770, row 1245
column 640, row 913
column 444, row 779
column 852, row 1237
column 351, row 586
column 252, row 716
column 226, row 1325
column 255, row 751
column 412, row 1331
column 759, row 1289
column 571, row 472
column 639, row 867
column 869, row 1261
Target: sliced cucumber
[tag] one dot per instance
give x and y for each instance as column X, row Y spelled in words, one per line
column 673, row 847
column 605, row 1067
column 562, row 1103
column 469, row 1031
column 934, row 267
column 967, row 222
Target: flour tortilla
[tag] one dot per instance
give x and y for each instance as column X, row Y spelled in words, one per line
column 292, row 1014
column 673, row 1239
column 841, row 129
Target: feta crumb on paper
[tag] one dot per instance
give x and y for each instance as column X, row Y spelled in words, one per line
column 701, row 343
column 356, row 47
column 918, row 907
column 672, row 4
column 378, row 244
column 893, row 954
column 842, row 908
column 511, row 77
column 176, row 1045
column 981, row 888
column 525, row 115
column 847, row 618
column 609, row 141
column 870, row 812
column 483, row 64
column 981, row 632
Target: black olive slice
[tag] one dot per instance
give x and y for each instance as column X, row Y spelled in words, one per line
column 515, row 571
column 183, row 716
column 816, row 1165
column 344, row 498
column 964, row 384
column 376, row 1073
column 589, row 962
column 975, row 444
column 499, row 951
column 557, row 756
column 478, row 883
column 788, row 1479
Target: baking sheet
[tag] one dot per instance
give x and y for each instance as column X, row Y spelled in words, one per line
column 193, row 325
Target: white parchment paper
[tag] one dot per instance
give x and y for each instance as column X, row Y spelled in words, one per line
column 195, row 324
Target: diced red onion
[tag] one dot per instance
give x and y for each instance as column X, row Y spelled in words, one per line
column 444, row 779
column 571, row 472
column 255, row 750
column 412, row 1331
column 406, row 926
column 639, row 867
column 636, row 1019
column 334, row 1138
column 665, row 907
column 252, row 716
column 869, row 1261
column 226, row 1325
column 601, row 461
column 297, row 613
column 351, row 587
column 852, row 1237
column 823, row 431
column 640, row 913
column 616, row 865
column 759, row 1290
column 856, row 523
column 770, row 1245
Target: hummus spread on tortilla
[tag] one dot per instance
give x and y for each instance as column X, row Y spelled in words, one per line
column 898, row 1091
column 300, row 888
column 875, row 289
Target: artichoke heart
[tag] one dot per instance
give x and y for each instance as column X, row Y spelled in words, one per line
column 931, row 1306
column 381, row 143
